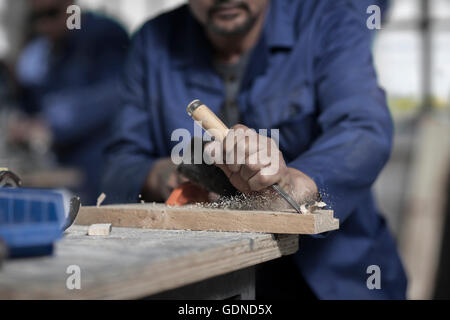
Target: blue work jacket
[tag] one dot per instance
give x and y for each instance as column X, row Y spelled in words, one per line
column 311, row 76
column 74, row 92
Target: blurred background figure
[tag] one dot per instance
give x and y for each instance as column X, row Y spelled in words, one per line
column 67, row 90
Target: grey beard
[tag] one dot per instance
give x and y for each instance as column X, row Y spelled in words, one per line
column 239, row 30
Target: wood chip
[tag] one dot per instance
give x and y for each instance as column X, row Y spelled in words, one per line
column 101, row 229
column 320, row 204
column 100, row 199
column 303, row 209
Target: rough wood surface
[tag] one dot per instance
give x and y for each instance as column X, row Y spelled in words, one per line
column 159, row 216
column 133, row 263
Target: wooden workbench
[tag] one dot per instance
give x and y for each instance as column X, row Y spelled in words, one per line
column 136, row 263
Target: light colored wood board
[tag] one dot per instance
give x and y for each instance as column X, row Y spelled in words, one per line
column 133, row 263
column 159, row 216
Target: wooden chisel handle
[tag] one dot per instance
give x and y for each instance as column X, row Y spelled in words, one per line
column 208, row 120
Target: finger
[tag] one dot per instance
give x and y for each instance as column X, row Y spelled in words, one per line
column 246, row 144
column 225, row 169
column 256, row 159
column 267, row 152
column 233, row 148
column 256, row 162
column 247, row 172
column 230, row 152
column 213, row 153
column 239, row 183
column 259, row 181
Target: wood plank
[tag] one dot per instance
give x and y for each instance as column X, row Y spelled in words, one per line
column 159, row 216
column 133, row 263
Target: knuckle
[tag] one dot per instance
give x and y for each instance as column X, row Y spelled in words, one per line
column 253, row 184
column 259, row 182
column 263, row 179
column 253, row 167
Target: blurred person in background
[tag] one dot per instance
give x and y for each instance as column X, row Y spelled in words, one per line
column 4, row 83
column 67, row 79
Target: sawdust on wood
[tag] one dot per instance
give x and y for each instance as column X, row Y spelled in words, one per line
column 240, row 202
column 266, row 200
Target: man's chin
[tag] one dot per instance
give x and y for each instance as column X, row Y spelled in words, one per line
column 232, row 27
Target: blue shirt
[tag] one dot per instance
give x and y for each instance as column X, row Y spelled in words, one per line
column 74, row 91
column 311, row 76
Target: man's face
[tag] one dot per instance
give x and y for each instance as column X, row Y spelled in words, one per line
column 228, row 17
column 49, row 17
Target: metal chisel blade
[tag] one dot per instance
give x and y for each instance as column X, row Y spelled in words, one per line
column 286, row 197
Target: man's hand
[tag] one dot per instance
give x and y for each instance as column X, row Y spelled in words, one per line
column 161, row 181
column 253, row 162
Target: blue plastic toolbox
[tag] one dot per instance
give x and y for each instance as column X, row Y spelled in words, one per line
column 30, row 220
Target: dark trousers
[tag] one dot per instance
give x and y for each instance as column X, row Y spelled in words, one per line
column 280, row 279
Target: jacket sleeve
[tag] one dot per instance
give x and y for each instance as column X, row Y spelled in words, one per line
column 130, row 153
column 355, row 123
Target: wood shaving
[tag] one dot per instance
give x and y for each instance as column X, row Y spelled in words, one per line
column 267, row 200
column 100, row 199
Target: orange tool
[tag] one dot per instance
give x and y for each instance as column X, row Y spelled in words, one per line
column 187, row 193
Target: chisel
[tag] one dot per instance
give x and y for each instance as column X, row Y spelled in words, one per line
column 216, row 128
